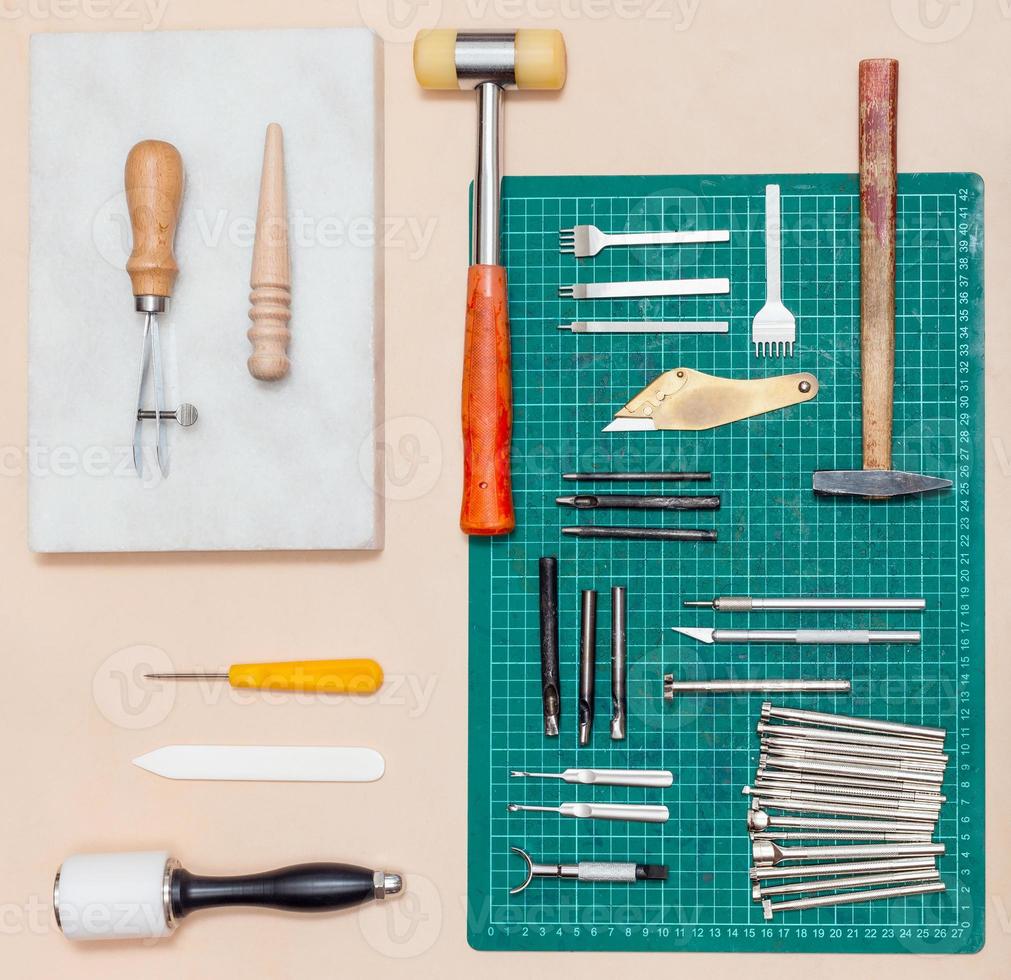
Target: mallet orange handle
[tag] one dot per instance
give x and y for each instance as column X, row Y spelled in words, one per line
column 487, row 406
column 318, row 676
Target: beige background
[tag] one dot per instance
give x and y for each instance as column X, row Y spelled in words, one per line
column 671, row 86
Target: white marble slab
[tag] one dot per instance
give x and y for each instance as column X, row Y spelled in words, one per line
column 282, row 465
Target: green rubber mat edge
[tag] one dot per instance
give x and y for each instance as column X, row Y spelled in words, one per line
column 700, row 909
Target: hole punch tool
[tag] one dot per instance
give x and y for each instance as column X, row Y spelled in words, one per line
column 145, row 894
column 488, row 62
column 609, row 871
column 154, row 188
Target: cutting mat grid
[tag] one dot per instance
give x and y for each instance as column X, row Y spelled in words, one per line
column 776, row 538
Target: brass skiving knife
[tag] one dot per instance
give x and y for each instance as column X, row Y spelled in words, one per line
column 691, row 400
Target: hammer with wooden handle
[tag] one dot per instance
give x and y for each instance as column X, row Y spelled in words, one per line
column 488, row 63
column 879, row 87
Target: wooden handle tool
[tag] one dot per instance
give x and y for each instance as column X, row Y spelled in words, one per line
column 879, row 95
column 270, row 277
column 154, row 190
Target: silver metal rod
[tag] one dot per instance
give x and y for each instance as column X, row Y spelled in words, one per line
column 867, row 759
column 764, row 873
column 878, row 752
column 855, row 794
column 903, row 789
column 770, row 710
column 748, row 604
column 806, row 805
column 647, row 326
column 766, row 852
column 606, row 777
column 759, row 891
column 849, row 736
column 192, row 675
column 760, row 820
column 809, row 835
column 587, row 664
column 672, row 687
column 488, row 175
column 770, row 908
column 881, row 772
column 857, row 637
column 619, row 667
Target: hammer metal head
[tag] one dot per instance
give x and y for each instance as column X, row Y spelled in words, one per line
column 874, row 483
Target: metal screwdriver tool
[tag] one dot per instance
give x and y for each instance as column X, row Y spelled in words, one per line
column 154, row 187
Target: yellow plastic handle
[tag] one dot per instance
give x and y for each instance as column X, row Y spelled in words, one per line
column 321, row 676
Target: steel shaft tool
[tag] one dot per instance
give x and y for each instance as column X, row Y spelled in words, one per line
column 879, row 90
column 488, row 63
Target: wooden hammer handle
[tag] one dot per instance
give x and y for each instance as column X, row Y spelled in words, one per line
column 154, row 190
column 879, row 89
column 270, row 277
column 487, row 406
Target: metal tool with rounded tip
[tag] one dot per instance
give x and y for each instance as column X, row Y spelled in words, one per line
column 770, row 908
column 728, row 603
column 767, row 872
column 858, row 749
column 800, row 805
column 609, row 871
column 849, row 735
column 856, row 637
column 185, row 415
column 890, row 797
column 773, row 752
column 587, row 664
column 762, row 820
column 882, row 772
column 760, row 891
column 765, row 852
column 856, row 782
column 631, row 812
column 827, row 795
column 873, row 725
column 871, row 837
column 672, row 686
column 656, row 778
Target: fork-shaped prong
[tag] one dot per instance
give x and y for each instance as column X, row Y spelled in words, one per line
column 774, row 329
column 585, row 241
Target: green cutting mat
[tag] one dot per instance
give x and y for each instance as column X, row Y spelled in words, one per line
column 776, row 538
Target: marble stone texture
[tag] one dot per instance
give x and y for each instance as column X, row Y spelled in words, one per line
column 269, row 465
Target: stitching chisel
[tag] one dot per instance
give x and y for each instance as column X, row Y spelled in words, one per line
column 320, row 676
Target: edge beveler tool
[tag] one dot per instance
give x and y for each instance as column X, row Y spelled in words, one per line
column 488, row 62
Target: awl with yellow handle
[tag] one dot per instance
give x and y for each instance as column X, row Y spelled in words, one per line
column 488, row 62
column 318, row 676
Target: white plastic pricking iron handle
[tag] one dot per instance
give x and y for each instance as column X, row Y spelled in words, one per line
column 633, row 812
